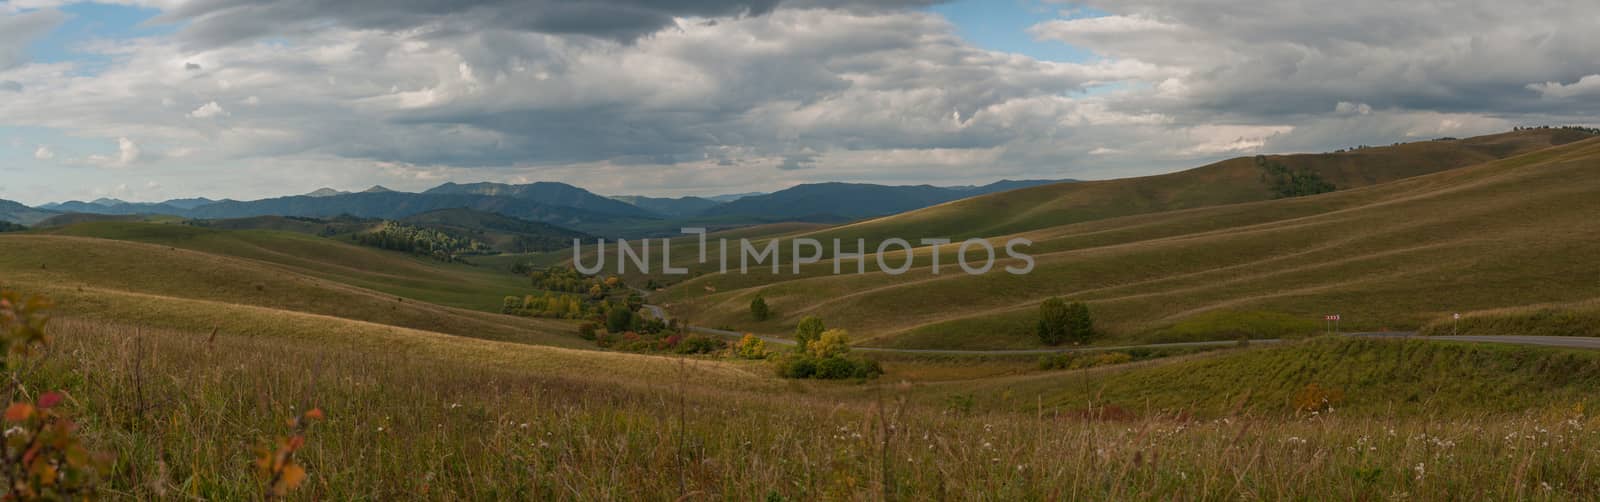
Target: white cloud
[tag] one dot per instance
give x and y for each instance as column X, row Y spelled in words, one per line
column 1587, row 86
column 44, row 153
column 208, row 110
column 128, row 153
column 1348, row 108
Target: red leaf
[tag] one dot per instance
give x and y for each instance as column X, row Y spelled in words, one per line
column 49, row 400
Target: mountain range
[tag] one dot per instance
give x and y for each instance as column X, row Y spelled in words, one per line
column 554, row 203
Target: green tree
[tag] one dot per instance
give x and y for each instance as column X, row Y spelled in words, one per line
column 1080, row 324
column 759, row 309
column 832, row 343
column 809, row 330
column 1052, row 327
column 619, row 319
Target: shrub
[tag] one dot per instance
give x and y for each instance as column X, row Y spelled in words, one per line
column 759, row 309
column 796, row 366
column 1080, row 325
column 619, row 320
column 1073, row 361
column 1052, row 329
column 587, row 330
column 832, row 343
column 43, row 457
column 278, row 466
column 834, row 368
column 700, row 344
column 1111, row 358
column 809, row 329
column 752, row 347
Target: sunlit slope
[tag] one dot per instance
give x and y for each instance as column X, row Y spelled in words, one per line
column 371, row 268
column 1506, row 233
column 1041, row 208
column 1231, row 181
column 127, row 281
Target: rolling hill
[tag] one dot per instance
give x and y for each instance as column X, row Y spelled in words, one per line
column 116, row 270
column 16, row 212
column 397, row 205
column 678, row 207
column 502, row 233
column 1212, row 242
column 847, row 201
column 547, row 193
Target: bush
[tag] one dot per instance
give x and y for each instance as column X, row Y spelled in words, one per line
column 759, row 309
column 809, row 329
column 832, row 343
column 752, row 347
column 587, row 331
column 1061, row 322
column 838, row 367
column 619, row 320
column 796, row 366
column 700, row 344
column 1073, row 361
column 834, row 368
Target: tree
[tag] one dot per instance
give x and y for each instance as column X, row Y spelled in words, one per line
column 1053, row 315
column 808, row 331
column 1080, row 325
column 751, row 347
column 759, row 309
column 833, row 342
column 619, row 319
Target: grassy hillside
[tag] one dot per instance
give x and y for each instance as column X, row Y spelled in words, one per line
column 502, row 233
column 1391, row 255
column 62, row 220
column 414, row 415
column 209, row 269
column 1231, row 181
column 1380, row 377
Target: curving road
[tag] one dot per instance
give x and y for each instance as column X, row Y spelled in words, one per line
column 1576, row 342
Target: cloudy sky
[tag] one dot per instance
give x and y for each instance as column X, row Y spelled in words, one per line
column 153, row 99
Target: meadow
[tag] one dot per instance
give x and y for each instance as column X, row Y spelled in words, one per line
column 182, row 411
column 1397, row 255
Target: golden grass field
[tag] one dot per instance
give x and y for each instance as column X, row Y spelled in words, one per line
column 1395, row 255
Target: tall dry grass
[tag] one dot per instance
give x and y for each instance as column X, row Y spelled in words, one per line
column 426, row 427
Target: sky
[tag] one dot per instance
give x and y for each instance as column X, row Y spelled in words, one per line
column 146, row 100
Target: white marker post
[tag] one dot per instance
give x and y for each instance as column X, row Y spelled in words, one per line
column 1455, row 324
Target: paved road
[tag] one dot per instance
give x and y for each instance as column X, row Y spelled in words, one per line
column 1549, row 341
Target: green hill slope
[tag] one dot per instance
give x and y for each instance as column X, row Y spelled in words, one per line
column 1398, row 254
column 1361, row 376
column 381, row 271
column 1231, row 181
column 115, row 278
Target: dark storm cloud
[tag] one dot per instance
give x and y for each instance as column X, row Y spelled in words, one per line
column 222, row 22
